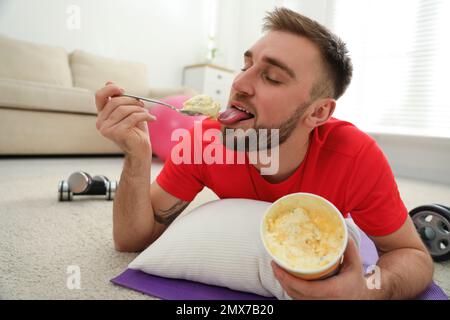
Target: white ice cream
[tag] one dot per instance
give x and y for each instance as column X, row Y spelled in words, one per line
column 303, row 239
column 203, row 104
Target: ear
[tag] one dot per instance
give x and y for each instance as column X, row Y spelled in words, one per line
column 319, row 112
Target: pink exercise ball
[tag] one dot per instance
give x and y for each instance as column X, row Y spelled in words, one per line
column 167, row 121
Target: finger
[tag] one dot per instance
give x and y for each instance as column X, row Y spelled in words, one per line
column 113, row 104
column 291, row 284
column 120, row 113
column 102, row 96
column 351, row 255
column 130, row 121
column 133, row 119
column 278, row 272
column 307, row 289
column 108, row 83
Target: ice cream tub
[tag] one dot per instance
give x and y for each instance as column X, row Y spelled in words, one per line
column 305, row 234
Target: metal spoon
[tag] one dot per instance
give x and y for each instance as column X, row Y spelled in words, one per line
column 182, row 111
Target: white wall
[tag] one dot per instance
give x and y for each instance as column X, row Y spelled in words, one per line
column 240, row 22
column 423, row 158
column 239, row 26
column 314, row 9
column 166, row 35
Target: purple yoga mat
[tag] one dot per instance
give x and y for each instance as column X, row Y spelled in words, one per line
column 176, row 289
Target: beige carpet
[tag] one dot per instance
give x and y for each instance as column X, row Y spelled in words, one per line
column 41, row 237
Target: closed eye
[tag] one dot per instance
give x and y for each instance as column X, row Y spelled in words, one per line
column 273, row 81
column 265, row 76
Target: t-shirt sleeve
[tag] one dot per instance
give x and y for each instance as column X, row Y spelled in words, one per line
column 181, row 175
column 180, row 180
column 372, row 196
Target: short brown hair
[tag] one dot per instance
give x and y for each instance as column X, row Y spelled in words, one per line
column 337, row 63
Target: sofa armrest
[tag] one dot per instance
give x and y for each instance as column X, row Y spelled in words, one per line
column 159, row 93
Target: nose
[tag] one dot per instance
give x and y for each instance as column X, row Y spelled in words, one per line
column 244, row 84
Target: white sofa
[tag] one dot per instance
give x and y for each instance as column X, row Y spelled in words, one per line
column 47, row 98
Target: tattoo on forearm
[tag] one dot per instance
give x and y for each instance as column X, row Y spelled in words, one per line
column 167, row 216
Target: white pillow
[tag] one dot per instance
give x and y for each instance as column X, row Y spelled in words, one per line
column 217, row 243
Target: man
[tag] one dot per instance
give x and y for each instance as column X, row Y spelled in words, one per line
column 291, row 80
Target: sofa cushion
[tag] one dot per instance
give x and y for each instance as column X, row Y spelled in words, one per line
column 91, row 71
column 48, row 133
column 24, row 60
column 27, row 95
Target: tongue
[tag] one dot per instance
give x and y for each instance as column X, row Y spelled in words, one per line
column 233, row 115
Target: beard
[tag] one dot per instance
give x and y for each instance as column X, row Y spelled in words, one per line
column 261, row 137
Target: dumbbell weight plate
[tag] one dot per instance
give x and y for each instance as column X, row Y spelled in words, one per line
column 111, row 190
column 79, row 182
column 64, row 193
column 99, row 186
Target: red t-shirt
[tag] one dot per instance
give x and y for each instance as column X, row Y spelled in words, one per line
column 342, row 164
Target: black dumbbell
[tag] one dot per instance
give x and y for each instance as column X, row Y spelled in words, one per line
column 81, row 183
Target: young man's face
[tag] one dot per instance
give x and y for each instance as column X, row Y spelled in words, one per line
column 278, row 74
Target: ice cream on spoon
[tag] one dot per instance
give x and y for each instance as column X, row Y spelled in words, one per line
column 205, row 105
